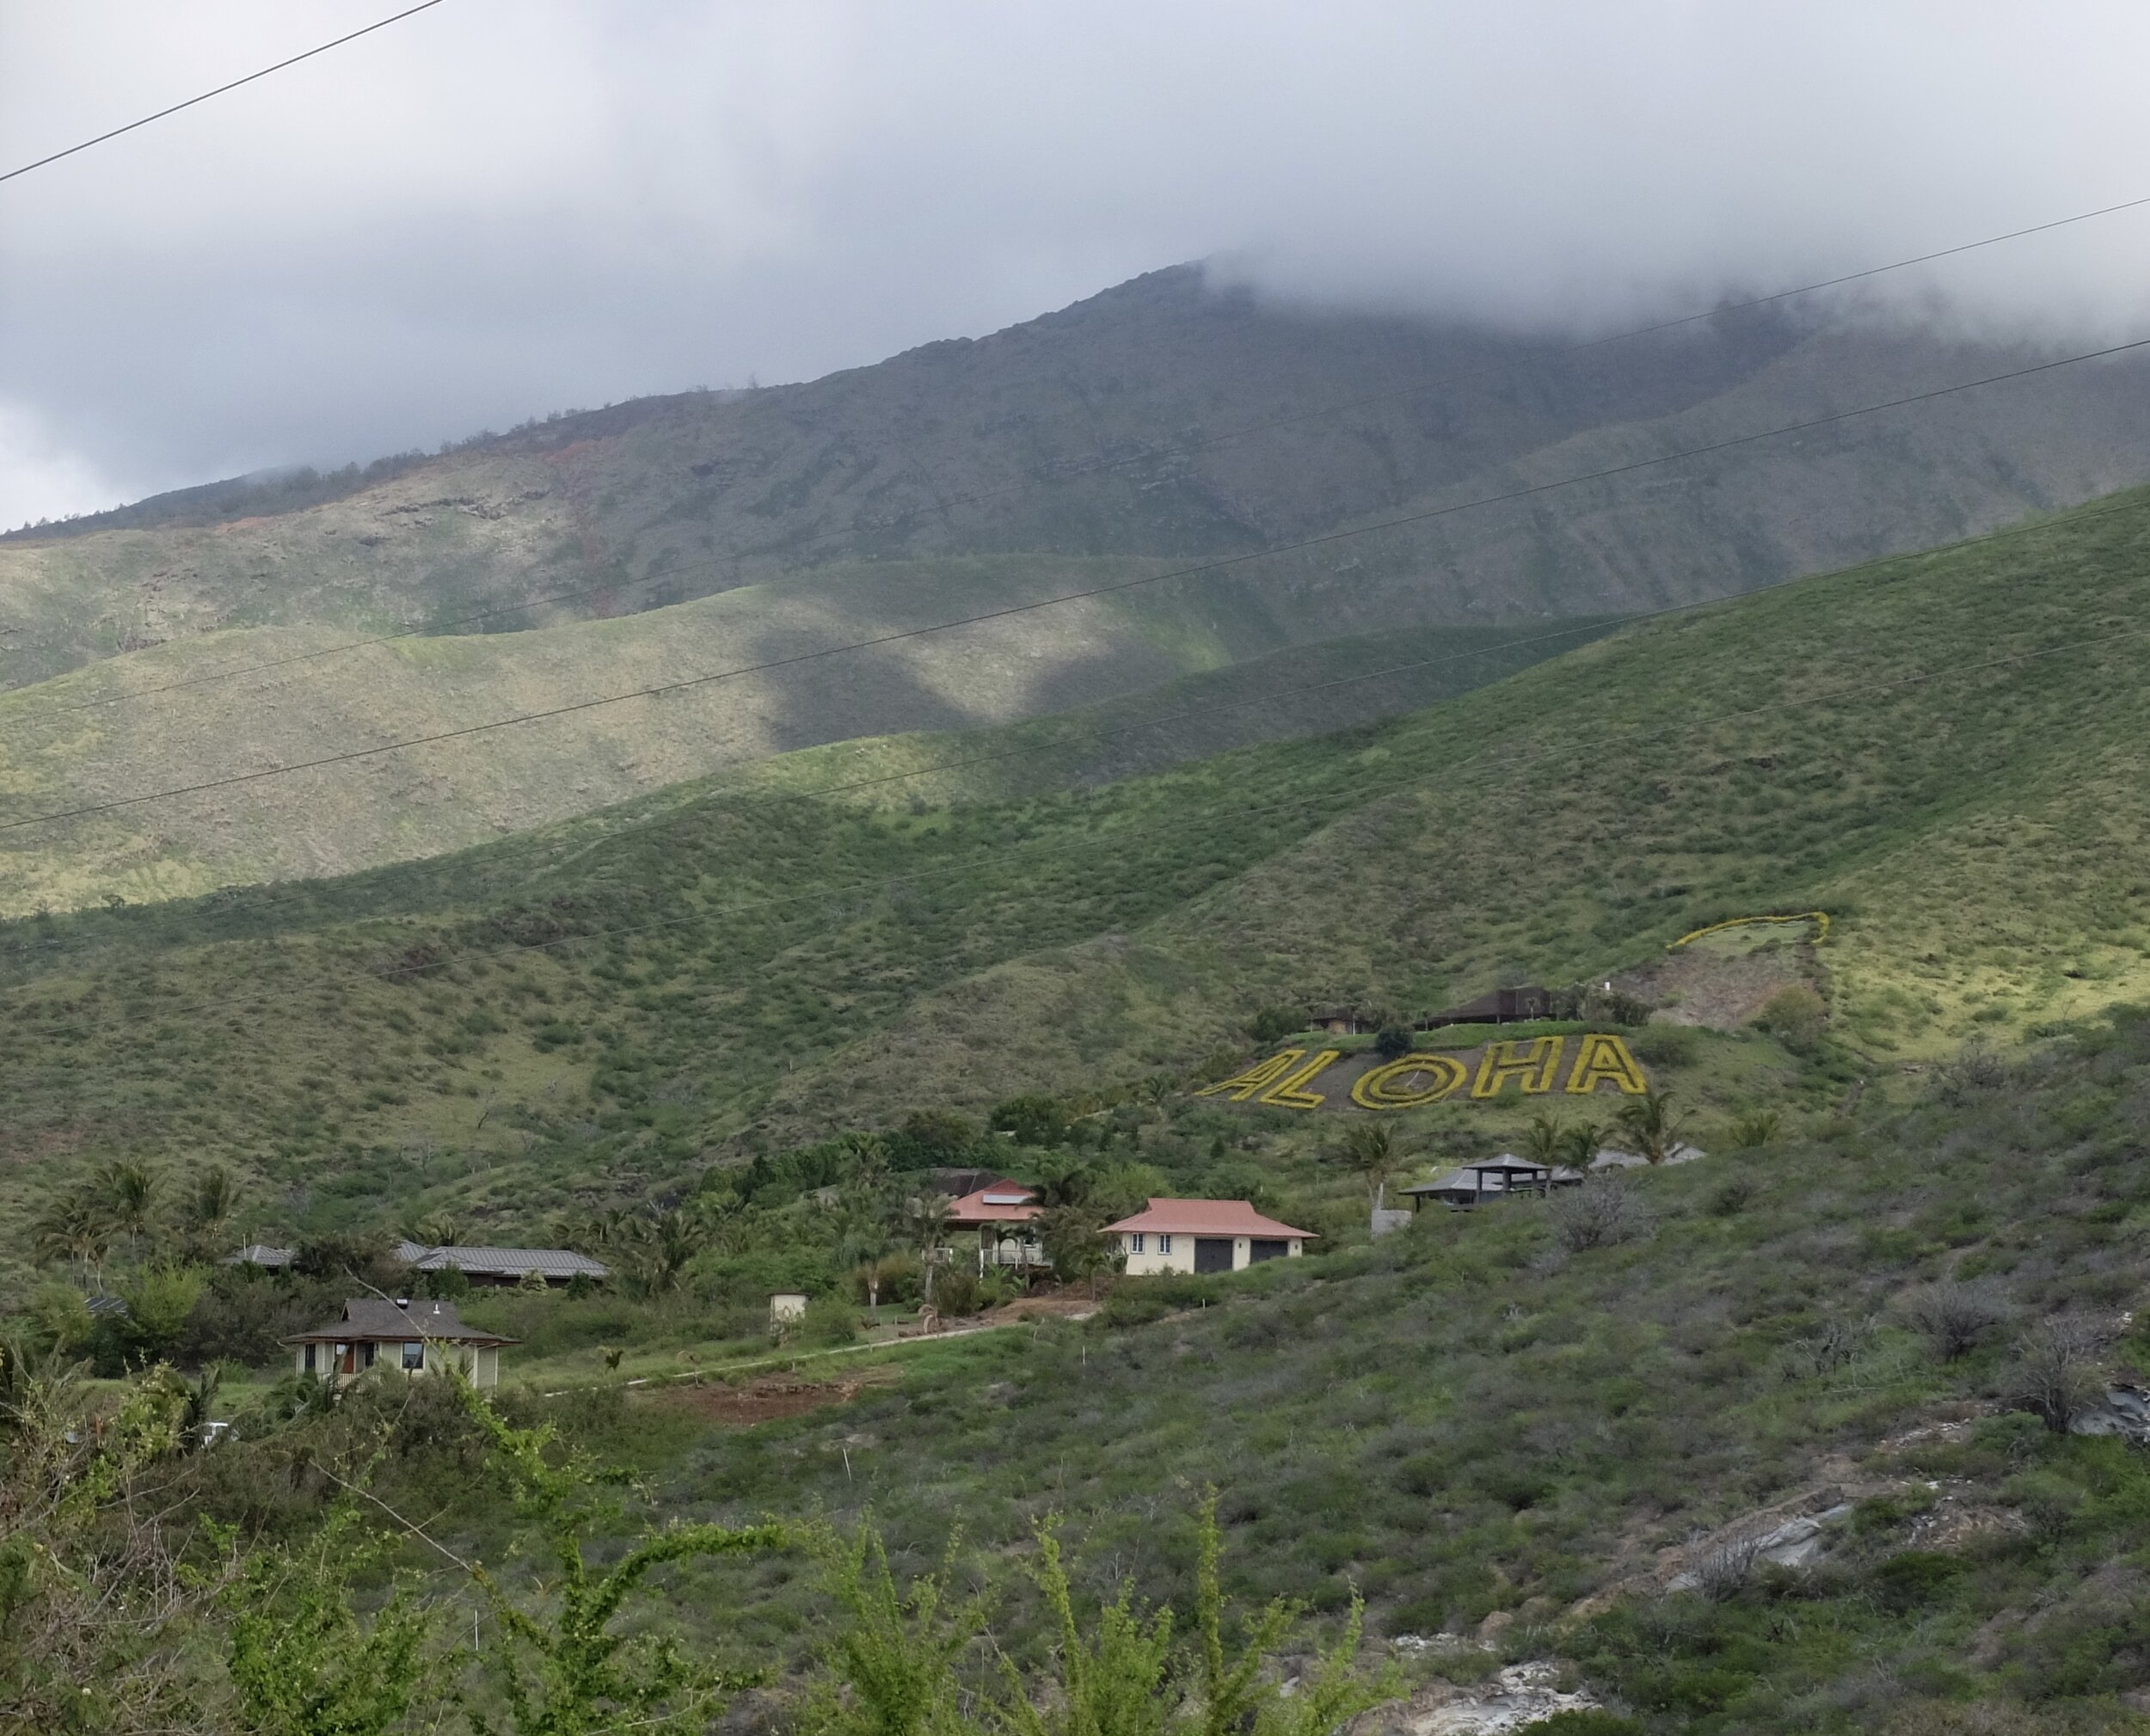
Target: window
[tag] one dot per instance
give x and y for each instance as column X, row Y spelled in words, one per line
column 1164, row 1244
column 1135, row 1241
column 309, row 1364
column 365, row 1354
column 414, row 1355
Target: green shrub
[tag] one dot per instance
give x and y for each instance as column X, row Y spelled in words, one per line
column 1035, row 1119
column 1911, row 1577
column 1795, row 1016
column 1393, row 1042
column 829, row 1320
column 1665, row 1045
column 899, row 1276
column 956, row 1291
column 1593, row 1720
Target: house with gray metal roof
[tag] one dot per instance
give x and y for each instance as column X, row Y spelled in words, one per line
column 502, row 1266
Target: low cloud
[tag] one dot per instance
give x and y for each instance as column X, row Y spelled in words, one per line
column 502, row 207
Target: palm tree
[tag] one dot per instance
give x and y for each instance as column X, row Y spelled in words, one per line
column 1650, row 1123
column 1368, row 1151
column 128, row 1191
column 74, row 1228
column 1063, row 1183
column 438, row 1231
column 925, row 1223
column 214, row 1203
column 868, row 1239
column 1579, row 1144
column 1547, row 1141
column 665, row 1242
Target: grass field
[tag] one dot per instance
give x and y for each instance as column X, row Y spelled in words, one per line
column 1945, row 753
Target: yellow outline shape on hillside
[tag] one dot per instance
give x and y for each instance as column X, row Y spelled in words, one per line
column 1819, row 918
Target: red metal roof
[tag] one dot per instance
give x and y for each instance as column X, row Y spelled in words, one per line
column 973, row 1212
column 1207, row 1217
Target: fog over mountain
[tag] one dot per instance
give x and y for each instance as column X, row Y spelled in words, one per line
column 493, row 210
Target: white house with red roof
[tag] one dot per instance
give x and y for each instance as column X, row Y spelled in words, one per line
column 1004, row 1215
column 1203, row 1235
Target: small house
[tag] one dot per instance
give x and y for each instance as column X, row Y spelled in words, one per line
column 1498, row 1007
column 1004, row 1215
column 416, row 1337
column 263, row 1255
column 1202, row 1235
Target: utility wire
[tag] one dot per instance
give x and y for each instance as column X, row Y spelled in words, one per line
column 464, row 732
column 1075, row 472
column 367, row 30
column 1354, row 797
column 294, row 892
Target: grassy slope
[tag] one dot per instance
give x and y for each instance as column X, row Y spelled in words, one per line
column 1465, row 1421
column 802, row 964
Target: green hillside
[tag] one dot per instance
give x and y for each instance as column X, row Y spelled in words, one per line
column 176, row 717
column 1945, row 753
column 1492, row 1434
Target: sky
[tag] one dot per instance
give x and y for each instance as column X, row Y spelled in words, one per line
column 501, row 208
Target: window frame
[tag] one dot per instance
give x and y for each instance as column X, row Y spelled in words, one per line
column 1135, row 1241
column 412, row 1365
column 1164, row 1241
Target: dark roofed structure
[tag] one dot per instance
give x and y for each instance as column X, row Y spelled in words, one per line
column 1494, row 1178
column 499, row 1265
column 1501, row 1007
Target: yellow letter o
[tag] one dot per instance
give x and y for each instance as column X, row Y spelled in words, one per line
column 1377, row 1089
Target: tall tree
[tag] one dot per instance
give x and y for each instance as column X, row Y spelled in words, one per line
column 925, row 1220
column 74, row 1228
column 128, row 1191
column 1651, row 1123
column 1367, row 1149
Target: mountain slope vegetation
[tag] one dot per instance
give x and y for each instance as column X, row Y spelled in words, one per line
column 198, row 712
column 1943, row 752
column 1173, row 418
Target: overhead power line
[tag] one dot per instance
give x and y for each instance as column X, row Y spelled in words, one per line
column 293, row 60
column 1072, row 473
column 1223, row 563
column 296, row 891
column 1499, row 777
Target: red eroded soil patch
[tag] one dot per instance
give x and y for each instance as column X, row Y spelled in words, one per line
column 770, row 1398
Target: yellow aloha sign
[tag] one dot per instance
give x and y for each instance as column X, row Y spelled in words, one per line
column 1533, row 1067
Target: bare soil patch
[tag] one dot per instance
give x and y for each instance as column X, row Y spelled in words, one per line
column 1719, row 987
column 768, row 1397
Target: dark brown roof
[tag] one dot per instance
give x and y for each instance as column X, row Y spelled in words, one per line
column 382, row 1322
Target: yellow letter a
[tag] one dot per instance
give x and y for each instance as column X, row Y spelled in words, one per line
column 1290, row 1093
column 1244, row 1085
column 1603, row 1059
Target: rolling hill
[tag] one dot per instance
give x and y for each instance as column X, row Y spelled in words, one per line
column 166, row 718
column 1943, row 752
column 1166, row 423
column 215, row 640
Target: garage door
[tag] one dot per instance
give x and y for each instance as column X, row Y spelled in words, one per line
column 1266, row 1247
column 1212, row 1254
